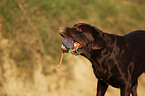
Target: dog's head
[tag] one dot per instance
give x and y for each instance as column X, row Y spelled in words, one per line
column 89, row 37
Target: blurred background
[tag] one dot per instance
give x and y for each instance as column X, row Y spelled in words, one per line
column 30, row 44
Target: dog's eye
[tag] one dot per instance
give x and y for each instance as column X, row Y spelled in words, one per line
column 79, row 29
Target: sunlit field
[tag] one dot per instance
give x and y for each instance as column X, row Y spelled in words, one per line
column 30, row 44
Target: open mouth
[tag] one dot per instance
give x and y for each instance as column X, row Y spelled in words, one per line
column 70, row 46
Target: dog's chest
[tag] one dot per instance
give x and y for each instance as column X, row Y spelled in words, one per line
column 100, row 73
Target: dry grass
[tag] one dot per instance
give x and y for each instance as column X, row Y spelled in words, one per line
column 30, row 44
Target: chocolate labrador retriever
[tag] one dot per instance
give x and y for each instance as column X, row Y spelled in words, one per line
column 116, row 60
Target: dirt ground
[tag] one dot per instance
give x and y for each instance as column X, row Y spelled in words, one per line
column 76, row 80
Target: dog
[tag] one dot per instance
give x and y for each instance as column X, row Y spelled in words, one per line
column 116, row 60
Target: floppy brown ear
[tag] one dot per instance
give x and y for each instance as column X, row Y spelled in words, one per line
column 98, row 43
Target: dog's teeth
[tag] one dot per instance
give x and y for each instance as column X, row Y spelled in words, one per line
column 75, row 44
column 62, row 46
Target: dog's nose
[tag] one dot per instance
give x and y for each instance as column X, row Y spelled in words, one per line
column 61, row 29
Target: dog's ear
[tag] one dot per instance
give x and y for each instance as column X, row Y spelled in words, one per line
column 98, row 43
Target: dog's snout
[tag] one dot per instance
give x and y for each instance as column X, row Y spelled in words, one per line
column 61, row 29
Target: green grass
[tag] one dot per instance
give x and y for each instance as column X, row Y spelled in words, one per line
column 113, row 16
column 32, row 55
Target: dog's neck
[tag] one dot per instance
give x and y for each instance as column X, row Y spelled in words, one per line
column 99, row 57
column 110, row 40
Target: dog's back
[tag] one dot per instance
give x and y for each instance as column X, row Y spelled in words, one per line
column 138, row 35
column 137, row 41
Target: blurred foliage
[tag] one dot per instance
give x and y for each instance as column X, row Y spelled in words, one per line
column 113, row 16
